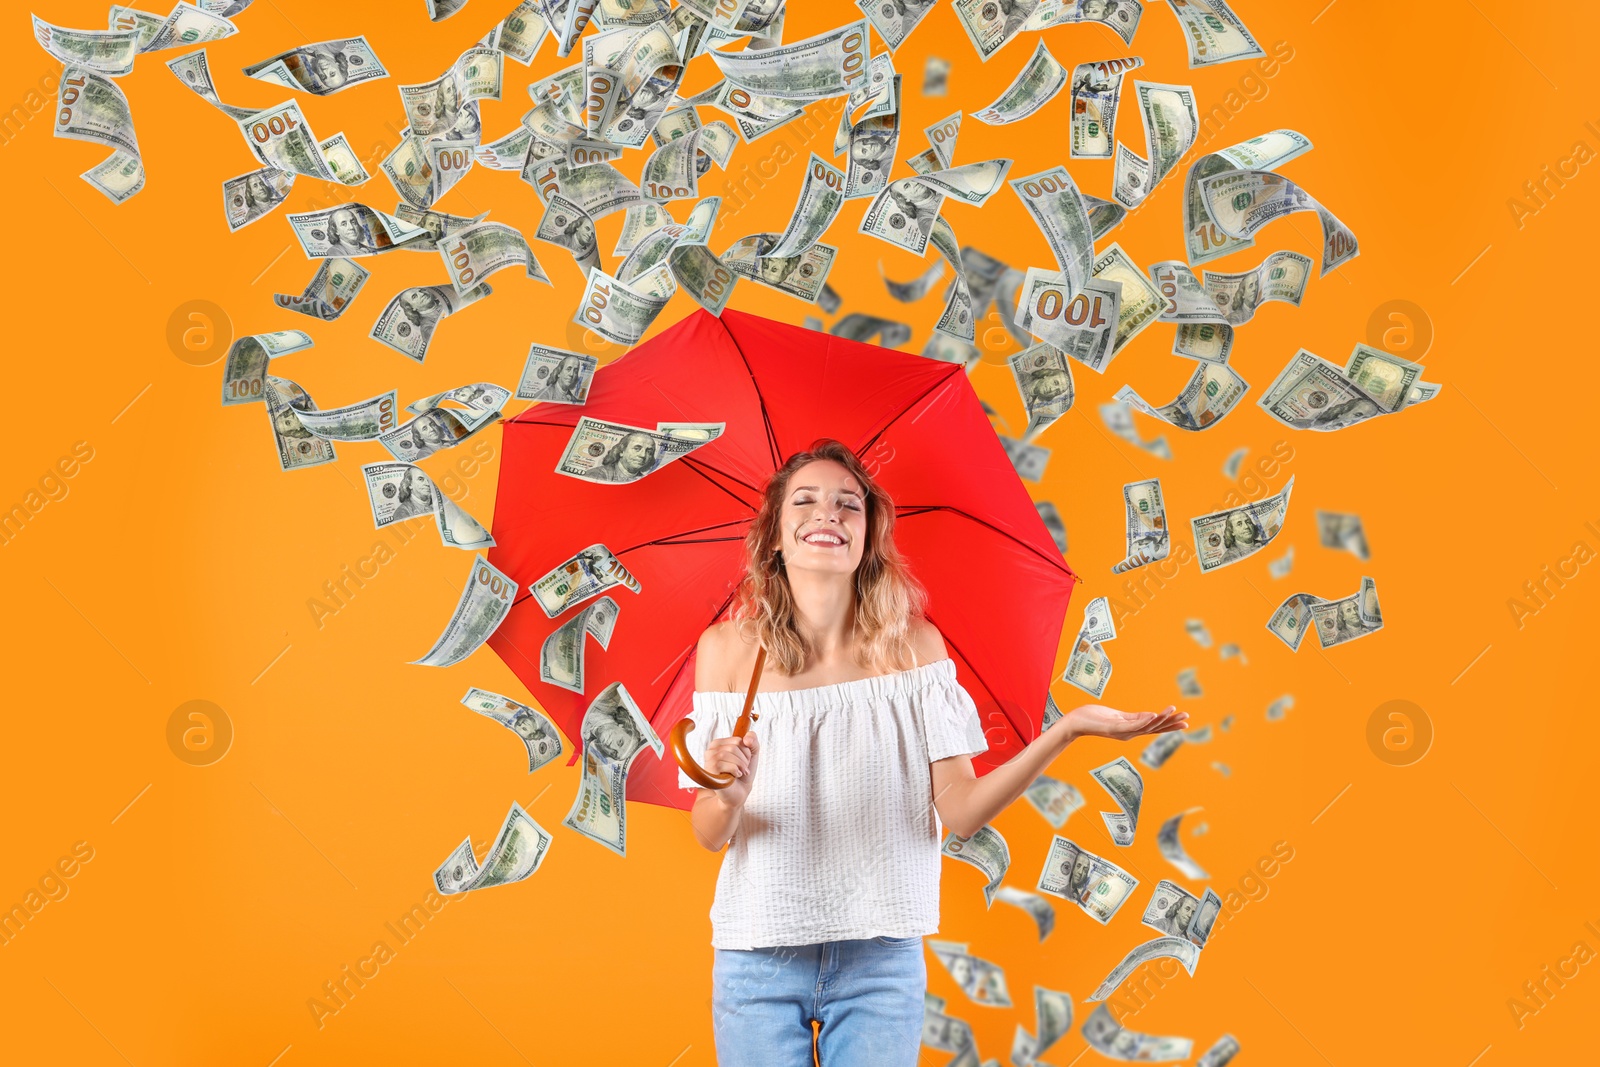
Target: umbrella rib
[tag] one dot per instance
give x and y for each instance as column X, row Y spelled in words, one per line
column 761, row 401
column 940, row 384
column 910, row 510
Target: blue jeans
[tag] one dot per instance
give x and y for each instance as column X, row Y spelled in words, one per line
column 867, row 994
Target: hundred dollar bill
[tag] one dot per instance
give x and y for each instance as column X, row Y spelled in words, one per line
column 1291, row 620
column 1267, row 152
column 971, row 183
column 364, row 420
column 1343, row 532
column 280, row 137
column 516, row 853
column 1160, row 749
column 945, row 349
column 323, row 68
column 567, row 225
column 485, row 248
column 1174, row 911
column 297, row 446
column 1028, row 459
column 91, row 107
column 936, row 77
column 612, row 453
column 1119, row 16
column 983, row 982
column 1053, row 1012
column 1213, row 32
column 1230, row 299
column 1241, row 202
column 402, row 491
column 1212, row 341
column 1024, row 1049
column 1184, row 951
column 871, row 138
column 942, row 136
column 858, row 327
column 193, row 69
column 482, row 401
column 617, row 312
column 1313, row 394
column 991, row 25
column 1280, row 567
column 520, row 33
column 443, row 105
column 1141, row 302
column 588, row 573
column 187, row 24
column 821, row 197
column 250, row 196
column 1145, row 512
column 1213, row 390
column 1171, row 847
column 106, row 52
column 1052, row 199
column 1097, row 886
column 904, row 214
column 1034, row 86
column 1044, row 915
column 829, row 64
column 1089, row 668
column 1189, row 686
column 802, row 276
column 956, row 320
column 702, row 275
column 330, row 291
column 941, row 1031
column 1096, row 91
column 556, row 376
column 1392, row 382
column 432, row 431
column 1225, row 537
column 1114, row 1041
column 407, row 323
column 894, row 21
column 985, row 850
column 1348, row 618
column 643, row 218
column 1055, row 800
column 1170, row 127
column 1082, row 325
column 1122, row 781
column 1197, row 630
column 561, row 655
column 1219, row 1054
column 537, row 732
column 1118, row 418
column 484, row 604
column 916, row 288
column 613, row 733
column 244, row 373
column 348, row 231
column 1044, row 379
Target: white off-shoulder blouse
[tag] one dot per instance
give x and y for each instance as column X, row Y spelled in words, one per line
column 839, row 838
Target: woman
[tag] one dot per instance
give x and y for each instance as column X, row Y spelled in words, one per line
column 832, row 873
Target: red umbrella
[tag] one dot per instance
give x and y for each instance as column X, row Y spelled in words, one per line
column 997, row 585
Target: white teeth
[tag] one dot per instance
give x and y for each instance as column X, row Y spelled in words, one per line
column 821, row 537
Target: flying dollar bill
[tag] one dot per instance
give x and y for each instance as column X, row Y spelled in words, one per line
column 983, row 982
column 826, row 65
column 588, row 573
column 985, row 850
column 895, row 21
column 1160, row 749
column 1114, row 1041
column 1213, row 32
column 1241, row 202
column 1043, row 914
column 1171, row 848
column 516, row 853
column 485, row 248
column 904, row 214
column 1343, row 532
column 619, row 313
column 1089, row 668
column 91, row 107
column 330, row 291
column 821, row 197
column 1181, row 949
column 1149, row 538
column 613, row 733
column 990, row 25
column 1230, row 298
column 1082, row 325
column 1213, row 390
column 1052, row 199
column 802, row 276
column 1348, row 618
column 297, row 446
column 434, row 430
column 1122, row 781
column 538, row 733
column 193, row 69
column 401, row 491
column 244, row 372
column 561, row 655
column 1044, row 378
column 349, row 231
column 1055, row 800
column 1225, row 537
column 1267, row 152
column 484, row 605
column 1040, row 79
column 105, row 52
column 408, row 322
column 323, row 68
column 1119, row 16
column 1312, row 394
column 1096, row 92
column 1097, row 886
column 556, row 376
column 251, row 196
column 610, row 453
column 1118, row 418
column 1171, row 124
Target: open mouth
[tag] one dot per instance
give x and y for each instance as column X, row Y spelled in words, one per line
column 823, row 539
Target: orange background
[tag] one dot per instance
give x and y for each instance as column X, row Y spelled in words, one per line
column 179, row 565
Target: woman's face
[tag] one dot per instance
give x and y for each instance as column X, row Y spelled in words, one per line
column 823, row 526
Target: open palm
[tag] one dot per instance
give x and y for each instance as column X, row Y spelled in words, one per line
column 1097, row 720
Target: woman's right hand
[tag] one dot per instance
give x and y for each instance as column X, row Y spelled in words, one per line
column 737, row 756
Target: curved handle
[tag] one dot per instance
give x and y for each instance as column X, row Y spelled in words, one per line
column 680, row 748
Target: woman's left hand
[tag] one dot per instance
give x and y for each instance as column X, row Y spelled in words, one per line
column 1097, row 720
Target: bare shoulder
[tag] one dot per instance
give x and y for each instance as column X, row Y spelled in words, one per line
column 721, row 655
column 928, row 641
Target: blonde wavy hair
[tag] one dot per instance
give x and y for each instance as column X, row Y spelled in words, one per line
column 888, row 598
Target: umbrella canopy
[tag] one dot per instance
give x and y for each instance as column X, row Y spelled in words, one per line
column 997, row 585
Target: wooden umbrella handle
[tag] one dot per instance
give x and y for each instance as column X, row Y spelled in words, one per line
column 680, row 747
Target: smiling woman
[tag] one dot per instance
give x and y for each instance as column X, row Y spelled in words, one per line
column 831, row 878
